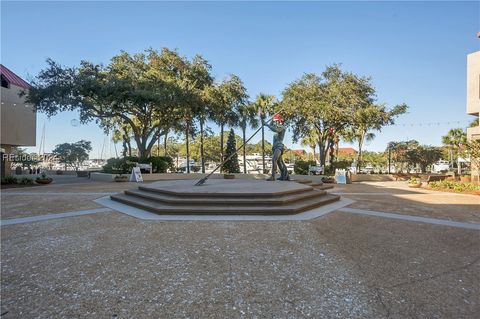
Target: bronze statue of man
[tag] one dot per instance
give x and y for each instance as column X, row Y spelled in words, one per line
column 276, row 125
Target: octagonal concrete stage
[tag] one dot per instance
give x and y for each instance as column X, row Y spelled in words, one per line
column 227, row 197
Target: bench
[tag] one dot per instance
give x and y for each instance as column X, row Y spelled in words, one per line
column 147, row 167
column 316, row 170
column 436, row 178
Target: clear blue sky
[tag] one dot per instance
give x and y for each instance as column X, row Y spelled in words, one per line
column 414, row 51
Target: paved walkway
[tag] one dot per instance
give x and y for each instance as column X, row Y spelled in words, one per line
column 390, row 253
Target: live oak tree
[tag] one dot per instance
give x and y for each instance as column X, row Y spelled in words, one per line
column 398, row 152
column 423, row 155
column 322, row 103
column 367, row 117
column 73, row 154
column 335, row 102
column 146, row 92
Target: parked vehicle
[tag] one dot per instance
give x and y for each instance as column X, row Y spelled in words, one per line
column 441, row 166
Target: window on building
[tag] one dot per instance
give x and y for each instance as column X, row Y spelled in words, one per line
column 5, row 83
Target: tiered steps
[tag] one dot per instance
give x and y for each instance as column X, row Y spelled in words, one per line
column 225, row 197
column 317, row 185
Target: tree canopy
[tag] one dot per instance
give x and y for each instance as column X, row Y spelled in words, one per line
column 333, row 102
column 147, row 92
column 455, row 139
column 73, row 154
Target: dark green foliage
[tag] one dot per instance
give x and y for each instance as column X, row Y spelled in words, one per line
column 301, row 167
column 332, row 102
column 147, row 93
column 342, row 164
column 231, row 166
column 423, row 156
column 25, row 181
column 9, row 180
column 329, row 170
column 196, row 169
column 120, row 165
column 73, row 154
column 160, row 164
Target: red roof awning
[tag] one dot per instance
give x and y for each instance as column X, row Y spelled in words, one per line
column 12, row 78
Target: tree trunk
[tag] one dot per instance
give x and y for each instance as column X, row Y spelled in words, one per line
column 263, row 149
column 143, row 150
column 459, row 165
column 124, row 146
column 314, row 153
column 221, row 145
column 244, row 150
column 165, row 143
column 186, row 145
column 322, row 151
column 202, row 155
column 359, row 155
column 129, row 148
column 336, row 149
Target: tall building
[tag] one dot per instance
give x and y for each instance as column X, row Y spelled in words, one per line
column 18, row 119
column 473, row 98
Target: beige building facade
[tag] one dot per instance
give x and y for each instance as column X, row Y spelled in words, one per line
column 18, row 119
column 473, row 98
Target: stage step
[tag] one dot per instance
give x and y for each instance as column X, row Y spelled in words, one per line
column 227, row 197
column 222, row 193
column 156, row 207
column 173, row 199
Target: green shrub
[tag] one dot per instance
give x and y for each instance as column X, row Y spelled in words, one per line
column 329, row 170
column 120, row 165
column 342, row 164
column 455, row 186
column 160, row 164
column 414, row 180
column 301, row 167
column 196, row 169
column 9, row 180
column 26, row 181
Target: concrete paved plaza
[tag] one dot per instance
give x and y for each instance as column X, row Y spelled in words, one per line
column 366, row 260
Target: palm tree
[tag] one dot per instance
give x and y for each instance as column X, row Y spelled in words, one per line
column 360, row 136
column 264, row 104
column 311, row 140
column 247, row 117
column 228, row 96
column 454, row 139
